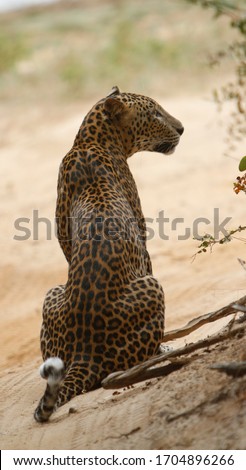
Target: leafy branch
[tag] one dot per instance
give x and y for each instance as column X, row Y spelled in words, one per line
column 208, row 241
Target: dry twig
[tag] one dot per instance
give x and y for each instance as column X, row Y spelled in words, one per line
column 207, row 318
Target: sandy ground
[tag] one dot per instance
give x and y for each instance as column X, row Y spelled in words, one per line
column 188, row 185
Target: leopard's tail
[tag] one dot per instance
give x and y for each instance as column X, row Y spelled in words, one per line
column 53, row 371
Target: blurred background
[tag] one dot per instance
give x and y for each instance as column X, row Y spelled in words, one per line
column 78, row 49
column 56, row 60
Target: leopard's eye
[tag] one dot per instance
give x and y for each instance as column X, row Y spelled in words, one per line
column 158, row 114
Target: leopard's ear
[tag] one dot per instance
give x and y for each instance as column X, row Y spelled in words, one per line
column 115, row 91
column 114, row 107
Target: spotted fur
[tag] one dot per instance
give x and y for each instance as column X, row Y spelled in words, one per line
column 110, row 314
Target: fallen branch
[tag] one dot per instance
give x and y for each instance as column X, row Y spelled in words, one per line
column 207, row 318
column 240, row 308
column 141, row 371
column 163, row 371
column 234, row 369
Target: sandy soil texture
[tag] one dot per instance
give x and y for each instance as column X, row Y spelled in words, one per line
column 195, row 186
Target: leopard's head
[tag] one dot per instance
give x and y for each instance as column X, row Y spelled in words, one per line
column 142, row 123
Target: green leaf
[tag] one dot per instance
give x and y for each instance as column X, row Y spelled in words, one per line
column 242, row 164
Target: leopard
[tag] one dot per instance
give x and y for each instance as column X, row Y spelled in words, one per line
column 109, row 316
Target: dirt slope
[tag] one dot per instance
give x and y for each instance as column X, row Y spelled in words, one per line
column 188, row 185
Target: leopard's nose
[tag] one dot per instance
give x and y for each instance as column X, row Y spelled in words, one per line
column 180, row 130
